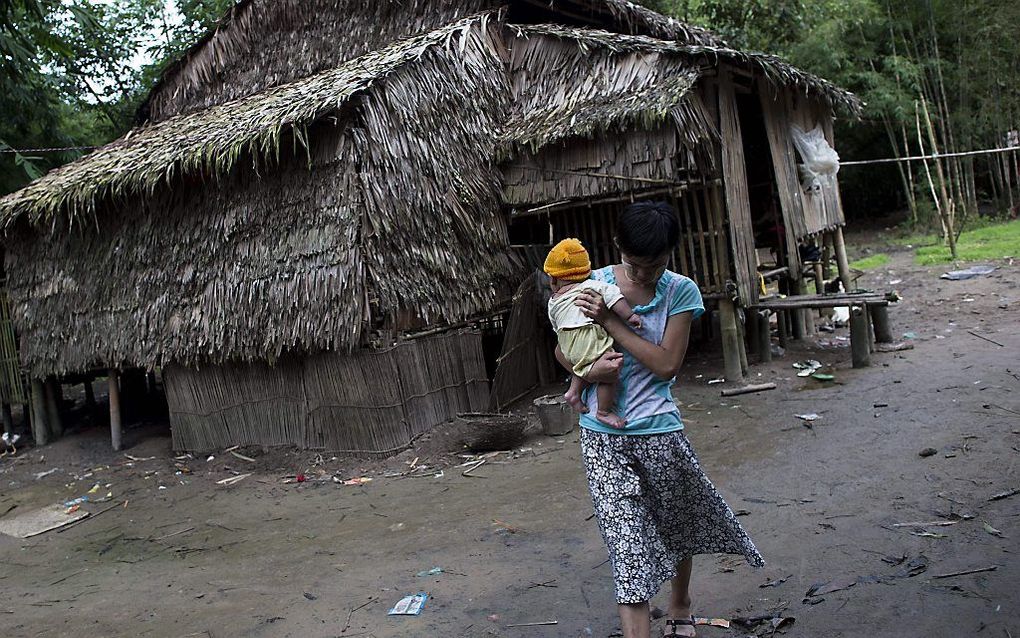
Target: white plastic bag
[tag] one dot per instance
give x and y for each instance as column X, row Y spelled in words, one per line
column 821, row 161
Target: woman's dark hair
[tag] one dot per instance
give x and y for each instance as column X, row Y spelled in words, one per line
column 647, row 229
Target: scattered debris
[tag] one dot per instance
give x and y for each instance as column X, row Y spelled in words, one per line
column 311, row 596
column 927, row 524
column 535, row 624
column 990, row 568
column 823, row 377
column 713, row 622
column 915, row 567
column 928, row 451
column 968, row 273
column 714, row 381
column 231, row 480
column 242, row 457
column 910, row 335
column 893, row 347
column 991, row 530
column 409, row 605
column 820, row 589
column 1006, row 494
column 40, row 475
column 748, row 389
column 974, row 334
column 775, row 583
column 808, row 417
column 435, row 571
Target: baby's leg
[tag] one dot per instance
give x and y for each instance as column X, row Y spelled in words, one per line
column 607, row 406
column 573, row 394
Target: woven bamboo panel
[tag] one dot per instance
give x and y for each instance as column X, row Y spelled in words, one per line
column 737, row 204
column 12, row 387
column 366, row 402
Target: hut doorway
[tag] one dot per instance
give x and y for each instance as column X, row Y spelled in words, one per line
column 770, row 239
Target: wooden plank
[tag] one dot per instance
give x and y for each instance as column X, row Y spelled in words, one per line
column 736, row 190
column 784, row 164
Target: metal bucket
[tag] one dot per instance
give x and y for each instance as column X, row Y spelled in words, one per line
column 555, row 414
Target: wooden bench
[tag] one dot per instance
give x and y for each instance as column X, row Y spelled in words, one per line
column 868, row 310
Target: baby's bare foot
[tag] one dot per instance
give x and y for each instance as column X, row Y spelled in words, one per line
column 573, row 399
column 611, row 419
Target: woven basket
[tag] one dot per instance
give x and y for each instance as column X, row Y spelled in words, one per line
column 484, row 432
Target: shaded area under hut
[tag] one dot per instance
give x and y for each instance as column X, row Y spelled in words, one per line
column 331, row 242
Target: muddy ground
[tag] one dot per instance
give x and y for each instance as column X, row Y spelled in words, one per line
column 825, row 504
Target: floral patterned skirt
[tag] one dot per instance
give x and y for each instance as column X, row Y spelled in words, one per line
column 656, row 507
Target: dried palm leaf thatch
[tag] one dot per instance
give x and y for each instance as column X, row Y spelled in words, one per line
column 389, row 218
column 258, row 44
column 263, row 43
column 210, row 142
column 636, row 19
column 562, row 90
column 591, row 120
column 778, row 72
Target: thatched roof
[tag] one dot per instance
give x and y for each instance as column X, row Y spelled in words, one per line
column 778, row 72
column 387, row 217
column 562, row 90
column 211, row 141
column 258, row 44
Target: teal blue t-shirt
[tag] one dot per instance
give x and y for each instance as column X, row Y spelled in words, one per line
column 643, row 399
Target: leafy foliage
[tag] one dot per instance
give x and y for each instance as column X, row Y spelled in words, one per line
column 74, row 71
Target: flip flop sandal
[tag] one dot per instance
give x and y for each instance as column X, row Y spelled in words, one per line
column 672, row 624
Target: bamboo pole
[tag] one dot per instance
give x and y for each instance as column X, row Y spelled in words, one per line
column 730, row 340
column 842, row 264
column 115, row 416
column 949, row 213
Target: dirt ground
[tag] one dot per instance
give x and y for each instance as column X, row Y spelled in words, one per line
column 825, row 505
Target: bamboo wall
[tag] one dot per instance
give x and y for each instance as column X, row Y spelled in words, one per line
column 12, row 385
column 702, row 254
column 806, row 213
column 362, row 403
column 580, row 168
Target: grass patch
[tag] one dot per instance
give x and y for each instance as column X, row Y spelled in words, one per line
column 981, row 244
column 871, row 262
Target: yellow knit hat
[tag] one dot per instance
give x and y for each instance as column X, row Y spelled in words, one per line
column 568, row 260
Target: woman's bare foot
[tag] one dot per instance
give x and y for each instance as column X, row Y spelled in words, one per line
column 611, row 419
column 573, row 399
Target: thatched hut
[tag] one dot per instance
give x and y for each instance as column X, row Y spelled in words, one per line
column 321, row 205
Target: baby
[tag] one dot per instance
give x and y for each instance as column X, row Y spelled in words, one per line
column 582, row 341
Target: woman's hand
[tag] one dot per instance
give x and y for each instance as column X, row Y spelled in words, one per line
column 593, row 306
column 606, row 369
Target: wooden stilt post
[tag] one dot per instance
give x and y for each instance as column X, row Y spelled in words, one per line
column 807, row 314
column 841, row 261
column 859, row 349
column 90, row 395
column 40, row 431
column 742, row 336
column 115, row 425
column 781, row 328
column 5, row 412
column 730, row 340
column 752, row 323
column 880, row 319
column 764, row 336
column 797, row 319
column 56, row 425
